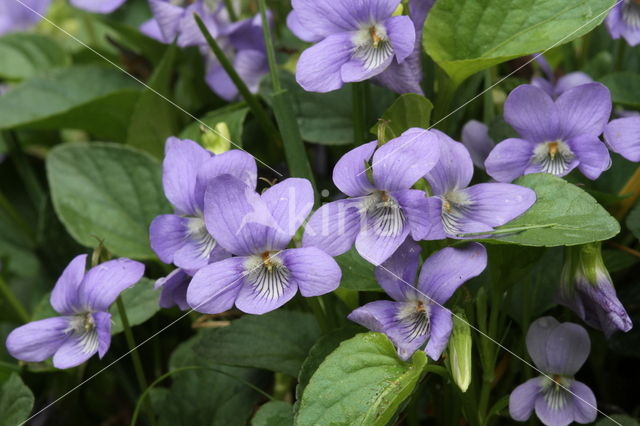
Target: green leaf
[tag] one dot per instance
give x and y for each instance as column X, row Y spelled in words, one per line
column 362, row 382
column 633, row 221
column 327, row 118
column 205, row 397
column 409, row 110
column 26, row 54
column 93, row 98
column 467, row 36
column 107, row 192
column 624, row 87
column 357, row 273
column 563, row 215
column 155, row 119
column 230, row 118
column 16, row 401
column 619, row 419
column 274, row 413
column 141, row 302
column 278, row 341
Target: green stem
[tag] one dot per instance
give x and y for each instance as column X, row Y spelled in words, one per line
column 436, row 369
column 135, row 356
column 13, row 301
column 358, row 91
column 136, row 411
column 621, row 51
column 294, row 149
column 319, row 313
column 446, row 91
column 228, row 4
column 252, row 101
column 488, row 109
column 27, row 175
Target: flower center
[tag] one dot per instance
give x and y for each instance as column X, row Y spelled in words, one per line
column 83, row 326
column 372, row 46
column 413, row 318
column 553, row 157
column 385, row 214
column 554, row 391
column 631, row 13
column 197, row 232
column 455, row 206
column 267, row 275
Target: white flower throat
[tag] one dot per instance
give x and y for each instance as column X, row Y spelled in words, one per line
column 83, row 325
column 372, row 46
column 197, row 232
column 455, row 205
column 553, row 157
column 267, row 275
column 631, row 13
column 554, row 391
column 413, row 318
column 388, row 219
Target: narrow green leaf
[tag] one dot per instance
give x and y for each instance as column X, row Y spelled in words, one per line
column 467, row 36
column 278, row 341
column 16, row 401
column 27, row 54
column 618, row 420
column 107, row 192
column 363, row 382
column 562, row 215
column 155, row 119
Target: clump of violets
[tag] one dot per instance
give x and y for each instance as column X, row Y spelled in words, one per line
column 16, row 17
column 355, row 40
column 587, row 289
column 84, row 326
column 416, row 318
column 623, row 136
column 381, row 209
column 257, row 229
column 558, row 350
column 555, row 136
column 470, row 209
column 624, row 21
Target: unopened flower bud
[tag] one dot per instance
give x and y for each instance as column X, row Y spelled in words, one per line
column 218, row 141
column 459, row 351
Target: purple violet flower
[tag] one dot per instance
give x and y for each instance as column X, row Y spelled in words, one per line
column 623, row 136
column 182, row 238
column 475, row 137
column 556, row 87
column 556, row 136
column 586, row 288
column 355, row 40
column 98, row 6
column 405, row 76
column 243, row 43
column 173, row 21
column 382, row 210
column 416, row 319
column 84, row 327
column 469, row 209
column 257, row 229
column 173, row 289
column 558, row 350
column 16, row 17
column 624, row 21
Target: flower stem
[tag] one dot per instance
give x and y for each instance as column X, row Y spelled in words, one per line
column 27, row 175
column 252, row 101
column 632, row 190
column 228, row 4
column 5, row 205
column 13, row 301
column 294, row 149
column 135, row 356
column 620, row 52
column 488, row 109
column 358, row 91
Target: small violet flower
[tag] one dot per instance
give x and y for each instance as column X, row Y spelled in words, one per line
column 470, row 209
column 555, row 87
column 623, row 136
column 257, row 229
column 84, row 325
column 16, row 17
column 355, row 40
column 98, row 6
column 475, row 137
column 558, row 350
column 416, row 319
column 382, row 210
column 556, row 136
column 182, row 238
column 174, row 289
column 586, row 288
column 624, row 21
column 173, row 21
